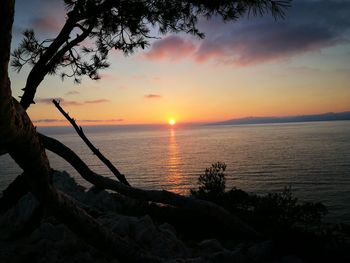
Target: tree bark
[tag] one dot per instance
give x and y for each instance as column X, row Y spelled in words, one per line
column 40, row 69
column 6, row 21
column 19, row 137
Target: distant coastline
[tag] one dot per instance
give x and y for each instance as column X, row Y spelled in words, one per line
column 329, row 116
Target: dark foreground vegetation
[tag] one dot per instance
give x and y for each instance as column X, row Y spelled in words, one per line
column 296, row 226
column 287, row 230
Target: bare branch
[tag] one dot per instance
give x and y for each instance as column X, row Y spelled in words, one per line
column 80, row 132
column 210, row 210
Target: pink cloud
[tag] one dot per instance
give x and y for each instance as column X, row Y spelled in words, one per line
column 107, row 120
column 262, row 40
column 96, row 101
column 170, row 48
column 52, row 16
column 70, row 102
column 153, row 96
column 83, row 120
column 263, row 43
column 46, row 24
column 208, row 51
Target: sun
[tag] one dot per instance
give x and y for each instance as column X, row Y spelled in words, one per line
column 172, row 122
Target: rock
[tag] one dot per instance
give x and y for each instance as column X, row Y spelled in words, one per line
column 15, row 218
column 120, row 224
column 261, row 251
column 97, row 199
column 168, row 229
column 158, row 242
column 48, row 231
column 290, row 259
column 65, row 183
column 53, row 242
column 100, row 200
column 209, row 246
column 223, row 257
column 144, row 230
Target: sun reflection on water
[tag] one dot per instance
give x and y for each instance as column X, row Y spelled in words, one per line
column 174, row 177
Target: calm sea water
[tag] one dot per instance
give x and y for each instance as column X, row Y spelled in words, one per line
column 313, row 158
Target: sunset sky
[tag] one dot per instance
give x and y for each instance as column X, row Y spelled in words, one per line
column 252, row 67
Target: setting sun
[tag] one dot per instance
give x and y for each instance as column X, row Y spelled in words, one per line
column 172, row 122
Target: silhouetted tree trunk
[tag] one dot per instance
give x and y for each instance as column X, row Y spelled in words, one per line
column 19, row 138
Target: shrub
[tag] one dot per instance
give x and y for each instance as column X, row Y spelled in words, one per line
column 212, row 182
column 271, row 212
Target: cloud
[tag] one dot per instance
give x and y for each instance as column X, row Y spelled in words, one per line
column 108, row 120
column 171, row 48
column 52, row 15
column 83, row 120
column 46, row 24
column 49, row 120
column 152, row 96
column 61, row 100
column 96, row 101
column 255, row 44
column 310, row 26
column 70, row 102
column 69, row 93
column 48, row 100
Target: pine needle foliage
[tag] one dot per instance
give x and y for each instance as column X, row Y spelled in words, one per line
column 94, row 27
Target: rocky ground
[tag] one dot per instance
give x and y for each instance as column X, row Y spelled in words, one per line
column 51, row 241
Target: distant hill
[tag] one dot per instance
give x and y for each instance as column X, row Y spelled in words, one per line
column 330, row 116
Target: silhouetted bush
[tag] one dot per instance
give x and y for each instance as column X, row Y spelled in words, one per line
column 270, row 213
column 212, row 183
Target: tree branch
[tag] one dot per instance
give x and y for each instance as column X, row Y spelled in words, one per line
column 55, row 59
column 80, row 132
column 210, row 210
column 39, row 70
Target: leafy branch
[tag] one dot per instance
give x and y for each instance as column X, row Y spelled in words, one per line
column 121, row 25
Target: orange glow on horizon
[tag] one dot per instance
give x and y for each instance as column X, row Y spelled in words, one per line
column 172, row 122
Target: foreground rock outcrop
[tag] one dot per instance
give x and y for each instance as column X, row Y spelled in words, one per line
column 26, row 234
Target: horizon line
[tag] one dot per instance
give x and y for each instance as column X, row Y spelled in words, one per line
column 91, row 123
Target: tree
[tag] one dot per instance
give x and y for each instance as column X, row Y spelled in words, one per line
column 212, row 182
column 119, row 24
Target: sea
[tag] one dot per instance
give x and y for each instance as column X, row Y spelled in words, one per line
column 313, row 158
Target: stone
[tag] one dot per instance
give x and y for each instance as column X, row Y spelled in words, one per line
column 261, row 251
column 209, row 246
column 13, row 220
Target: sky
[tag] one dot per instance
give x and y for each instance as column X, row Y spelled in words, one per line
column 255, row 66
